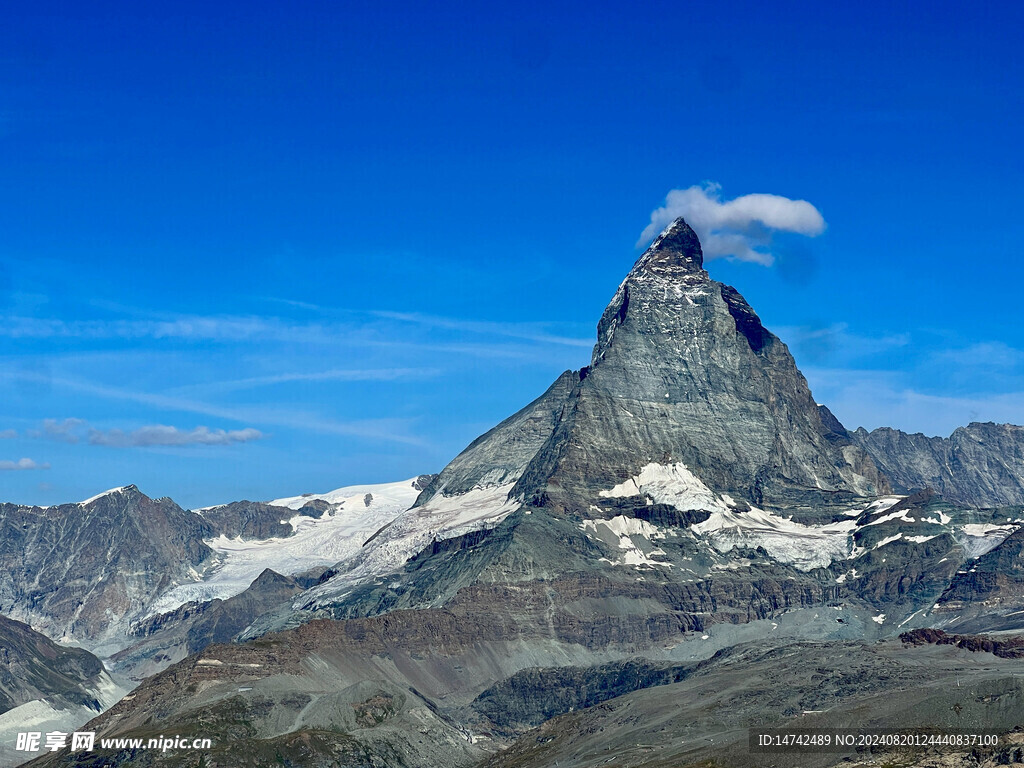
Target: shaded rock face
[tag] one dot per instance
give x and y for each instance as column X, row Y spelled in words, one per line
column 75, row 570
column 704, row 719
column 34, row 667
column 532, row 696
column 987, row 594
column 980, row 464
column 1003, row 647
column 256, row 520
column 684, row 371
column 229, row 617
column 169, row 637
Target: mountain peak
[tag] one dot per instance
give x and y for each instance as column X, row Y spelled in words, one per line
column 128, row 489
column 685, row 373
column 675, row 251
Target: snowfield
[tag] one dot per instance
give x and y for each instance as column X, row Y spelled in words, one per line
column 42, row 716
column 805, row 547
column 620, row 530
column 443, row 517
column 359, row 511
column 979, row 539
column 672, row 484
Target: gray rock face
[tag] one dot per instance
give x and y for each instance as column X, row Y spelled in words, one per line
column 980, row 464
column 170, row 637
column 987, row 594
column 256, row 520
column 704, row 720
column 34, row 667
column 75, row 570
column 684, row 371
column 532, row 696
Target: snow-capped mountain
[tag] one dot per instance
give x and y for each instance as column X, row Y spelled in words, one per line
column 636, row 525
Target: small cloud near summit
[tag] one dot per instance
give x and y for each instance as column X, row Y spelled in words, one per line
column 740, row 228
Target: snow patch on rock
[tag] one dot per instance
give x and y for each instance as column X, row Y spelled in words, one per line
column 99, row 496
column 632, row 536
column 981, row 538
column 42, row 716
column 672, row 484
column 805, row 547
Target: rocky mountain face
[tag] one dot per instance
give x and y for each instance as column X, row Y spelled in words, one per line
column 986, row 594
column 663, row 548
column 169, row 637
column 705, row 719
column 980, row 464
column 34, row 667
column 684, row 372
column 256, row 520
column 46, row 687
column 498, row 458
column 76, row 570
column 689, row 405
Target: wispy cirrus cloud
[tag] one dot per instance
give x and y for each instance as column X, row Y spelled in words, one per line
column 336, row 374
column 74, row 431
column 21, row 465
column 185, row 327
column 527, row 331
column 388, row 430
column 873, row 398
column 987, row 354
column 740, row 228
column 262, row 330
column 162, row 435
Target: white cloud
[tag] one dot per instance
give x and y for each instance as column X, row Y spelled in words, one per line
column 740, row 228
column 160, row 435
column 8, row 434
column 63, row 431
column 184, row 327
column 388, row 429
column 21, row 464
column 988, row 354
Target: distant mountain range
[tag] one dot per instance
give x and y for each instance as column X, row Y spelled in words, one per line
column 676, row 531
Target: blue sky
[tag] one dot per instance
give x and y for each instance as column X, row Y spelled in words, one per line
column 250, row 250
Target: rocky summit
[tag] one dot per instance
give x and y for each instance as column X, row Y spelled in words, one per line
column 685, row 373
column 665, row 547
